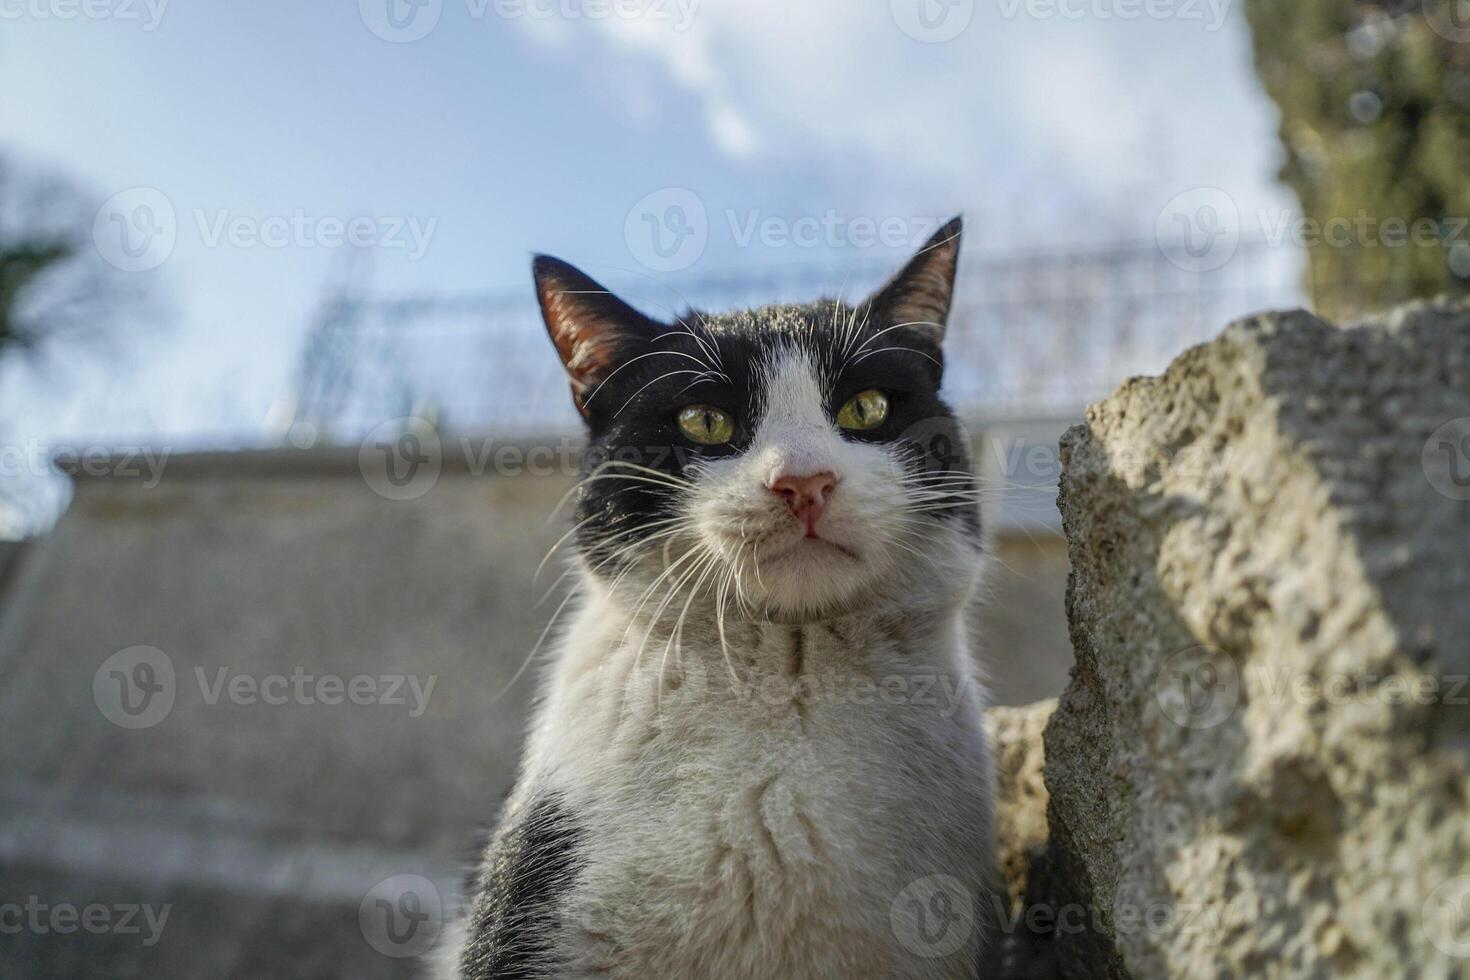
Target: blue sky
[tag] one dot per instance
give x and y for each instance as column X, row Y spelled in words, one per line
column 515, row 126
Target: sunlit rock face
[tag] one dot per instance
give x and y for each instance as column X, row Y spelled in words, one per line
column 1260, row 765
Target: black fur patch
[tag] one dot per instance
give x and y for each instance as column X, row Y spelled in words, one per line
column 515, row 919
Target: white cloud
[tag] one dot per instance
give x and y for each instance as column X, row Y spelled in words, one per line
column 1022, row 112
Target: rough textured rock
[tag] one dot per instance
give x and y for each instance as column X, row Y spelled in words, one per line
column 1260, row 765
column 1024, row 949
column 1020, row 814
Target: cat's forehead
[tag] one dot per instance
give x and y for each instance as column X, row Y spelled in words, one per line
column 766, row 334
column 780, row 320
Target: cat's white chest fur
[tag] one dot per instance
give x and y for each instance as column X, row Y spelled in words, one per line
column 804, row 800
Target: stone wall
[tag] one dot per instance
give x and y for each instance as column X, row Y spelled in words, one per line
column 1261, row 766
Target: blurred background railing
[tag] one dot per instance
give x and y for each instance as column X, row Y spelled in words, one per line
column 1033, row 335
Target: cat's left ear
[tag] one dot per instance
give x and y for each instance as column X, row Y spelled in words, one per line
column 594, row 331
column 919, row 296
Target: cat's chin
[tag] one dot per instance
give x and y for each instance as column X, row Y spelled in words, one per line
column 812, row 579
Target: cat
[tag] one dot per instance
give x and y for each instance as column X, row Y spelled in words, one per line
column 758, row 750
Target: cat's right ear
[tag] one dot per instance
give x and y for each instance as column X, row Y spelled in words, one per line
column 593, row 330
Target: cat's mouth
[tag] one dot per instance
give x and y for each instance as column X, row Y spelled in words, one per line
column 813, row 544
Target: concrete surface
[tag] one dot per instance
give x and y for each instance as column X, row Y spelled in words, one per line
column 270, row 830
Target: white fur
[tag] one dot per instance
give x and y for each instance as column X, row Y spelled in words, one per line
column 766, row 748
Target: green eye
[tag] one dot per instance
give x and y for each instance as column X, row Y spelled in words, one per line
column 865, row 410
column 706, row 424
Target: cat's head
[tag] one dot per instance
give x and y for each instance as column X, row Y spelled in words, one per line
column 794, row 462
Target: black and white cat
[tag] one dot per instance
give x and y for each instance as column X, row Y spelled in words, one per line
column 758, row 749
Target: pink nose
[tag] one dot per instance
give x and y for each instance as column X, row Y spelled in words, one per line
column 805, row 496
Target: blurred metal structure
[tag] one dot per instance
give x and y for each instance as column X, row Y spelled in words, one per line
column 1034, row 335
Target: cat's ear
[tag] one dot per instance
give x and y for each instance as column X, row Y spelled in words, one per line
column 919, row 296
column 593, row 330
